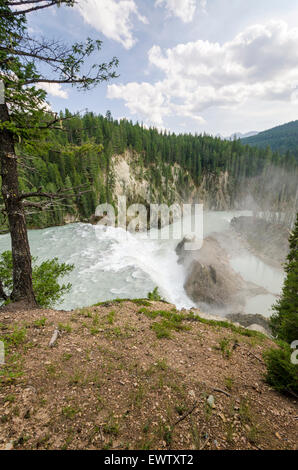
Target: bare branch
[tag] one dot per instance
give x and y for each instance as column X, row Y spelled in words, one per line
column 60, row 194
column 29, row 54
column 36, row 7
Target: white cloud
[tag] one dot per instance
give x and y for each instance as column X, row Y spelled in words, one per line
column 54, row 89
column 113, row 18
column 144, row 99
column 183, row 9
column 260, row 63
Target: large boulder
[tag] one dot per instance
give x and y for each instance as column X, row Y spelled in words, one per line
column 210, row 279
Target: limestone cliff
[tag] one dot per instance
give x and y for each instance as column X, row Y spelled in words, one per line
column 173, row 185
column 167, row 184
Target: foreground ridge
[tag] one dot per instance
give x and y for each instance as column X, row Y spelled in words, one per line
column 137, row 374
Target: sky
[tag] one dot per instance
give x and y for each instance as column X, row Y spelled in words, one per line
column 213, row 66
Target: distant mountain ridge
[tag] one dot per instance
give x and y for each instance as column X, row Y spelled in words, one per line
column 237, row 135
column 240, row 135
column 282, row 138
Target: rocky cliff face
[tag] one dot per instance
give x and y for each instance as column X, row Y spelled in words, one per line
column 140, row 186
column 167, row 184
column 136, row 182
column 214, row 191
column 129, row 179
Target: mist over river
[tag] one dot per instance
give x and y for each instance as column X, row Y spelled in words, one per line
column 112, row 263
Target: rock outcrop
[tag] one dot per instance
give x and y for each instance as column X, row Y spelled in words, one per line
column 251, row 321
column 210, row 278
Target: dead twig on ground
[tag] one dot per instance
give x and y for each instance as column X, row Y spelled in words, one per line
column 186, row 414
column 222, row 391
column 260, row 360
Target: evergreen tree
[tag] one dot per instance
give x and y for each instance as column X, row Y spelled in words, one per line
column 26, row 62
column 285, row 321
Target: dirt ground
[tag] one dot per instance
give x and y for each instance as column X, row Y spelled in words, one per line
column 126, row 375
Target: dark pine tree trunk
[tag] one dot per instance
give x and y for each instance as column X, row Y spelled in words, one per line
column 2, row 293
column 22, row 270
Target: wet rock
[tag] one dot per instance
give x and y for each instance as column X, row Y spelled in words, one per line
column 210, row 278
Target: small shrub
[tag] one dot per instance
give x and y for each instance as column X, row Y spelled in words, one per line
column 285, row 325
column 154, row 295
column 281, row 374
column 244, row 411
column 45, row 277
column 224, row 347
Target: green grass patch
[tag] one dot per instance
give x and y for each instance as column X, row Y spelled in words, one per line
column 40, row 323
column 9, row 398
column 225, row 324
column 112, row 426
column 108, row 303
column 170, row 321
column 65, row 327
column 111, row 317
column 229, row 383
column 66, row 357
column 69, row 412
column 13, row 367
column 175, row 318
column 224, row 347
column 15, row 338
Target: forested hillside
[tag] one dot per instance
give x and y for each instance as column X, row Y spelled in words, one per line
column 81, row 152
column 281, row 138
